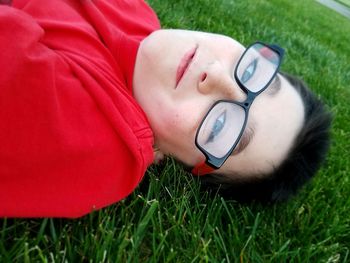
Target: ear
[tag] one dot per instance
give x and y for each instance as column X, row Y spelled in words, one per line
column 158, row 155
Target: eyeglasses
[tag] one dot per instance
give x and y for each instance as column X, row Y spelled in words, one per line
column 222, row 127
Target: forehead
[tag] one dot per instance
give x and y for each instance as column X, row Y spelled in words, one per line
column 276, row 121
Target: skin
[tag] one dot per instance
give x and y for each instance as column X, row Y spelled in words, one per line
column 175, row 111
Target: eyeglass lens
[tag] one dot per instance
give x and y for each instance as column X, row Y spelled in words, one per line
column 257, row 66
column 221, row 128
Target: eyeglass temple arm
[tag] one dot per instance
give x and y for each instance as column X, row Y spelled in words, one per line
column 202, row 169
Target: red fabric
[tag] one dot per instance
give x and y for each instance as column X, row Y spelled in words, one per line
column 202, row 169
column 72, row 138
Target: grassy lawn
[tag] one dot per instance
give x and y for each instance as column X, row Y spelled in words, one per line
column 167, row 219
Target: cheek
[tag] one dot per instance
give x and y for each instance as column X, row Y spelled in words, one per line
column 176, row 136
column 178, row 125
column 178, row 122
column 226, row 50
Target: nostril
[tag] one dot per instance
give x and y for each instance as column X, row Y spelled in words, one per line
column 204, row 76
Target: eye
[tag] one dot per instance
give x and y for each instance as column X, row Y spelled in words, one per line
column 217, row 127
column 249, row 71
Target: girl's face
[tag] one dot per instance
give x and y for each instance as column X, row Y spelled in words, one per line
column 180, row 74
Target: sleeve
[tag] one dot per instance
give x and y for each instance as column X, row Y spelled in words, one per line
column 58, row 153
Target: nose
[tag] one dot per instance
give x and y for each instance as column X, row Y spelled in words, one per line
column 217, row 80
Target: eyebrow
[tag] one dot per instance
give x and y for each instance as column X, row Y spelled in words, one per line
column 246, row 138
column 274, row 87
column 249, row 132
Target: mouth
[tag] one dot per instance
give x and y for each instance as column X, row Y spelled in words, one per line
column 184, row 64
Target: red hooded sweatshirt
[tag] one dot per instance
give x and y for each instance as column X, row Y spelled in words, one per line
column 72, row 137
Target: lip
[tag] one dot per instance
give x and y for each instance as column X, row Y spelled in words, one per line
column 184, row 64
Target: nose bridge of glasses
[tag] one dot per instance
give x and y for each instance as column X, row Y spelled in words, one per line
column 216, row 79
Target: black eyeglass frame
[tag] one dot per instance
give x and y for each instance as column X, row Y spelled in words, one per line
column 211, row 160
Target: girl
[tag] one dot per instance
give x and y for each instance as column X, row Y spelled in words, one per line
column 92, row 92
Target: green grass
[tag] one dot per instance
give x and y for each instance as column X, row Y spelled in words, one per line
column 167, row 219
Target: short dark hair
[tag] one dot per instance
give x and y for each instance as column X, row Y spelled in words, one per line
column 302, row 162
